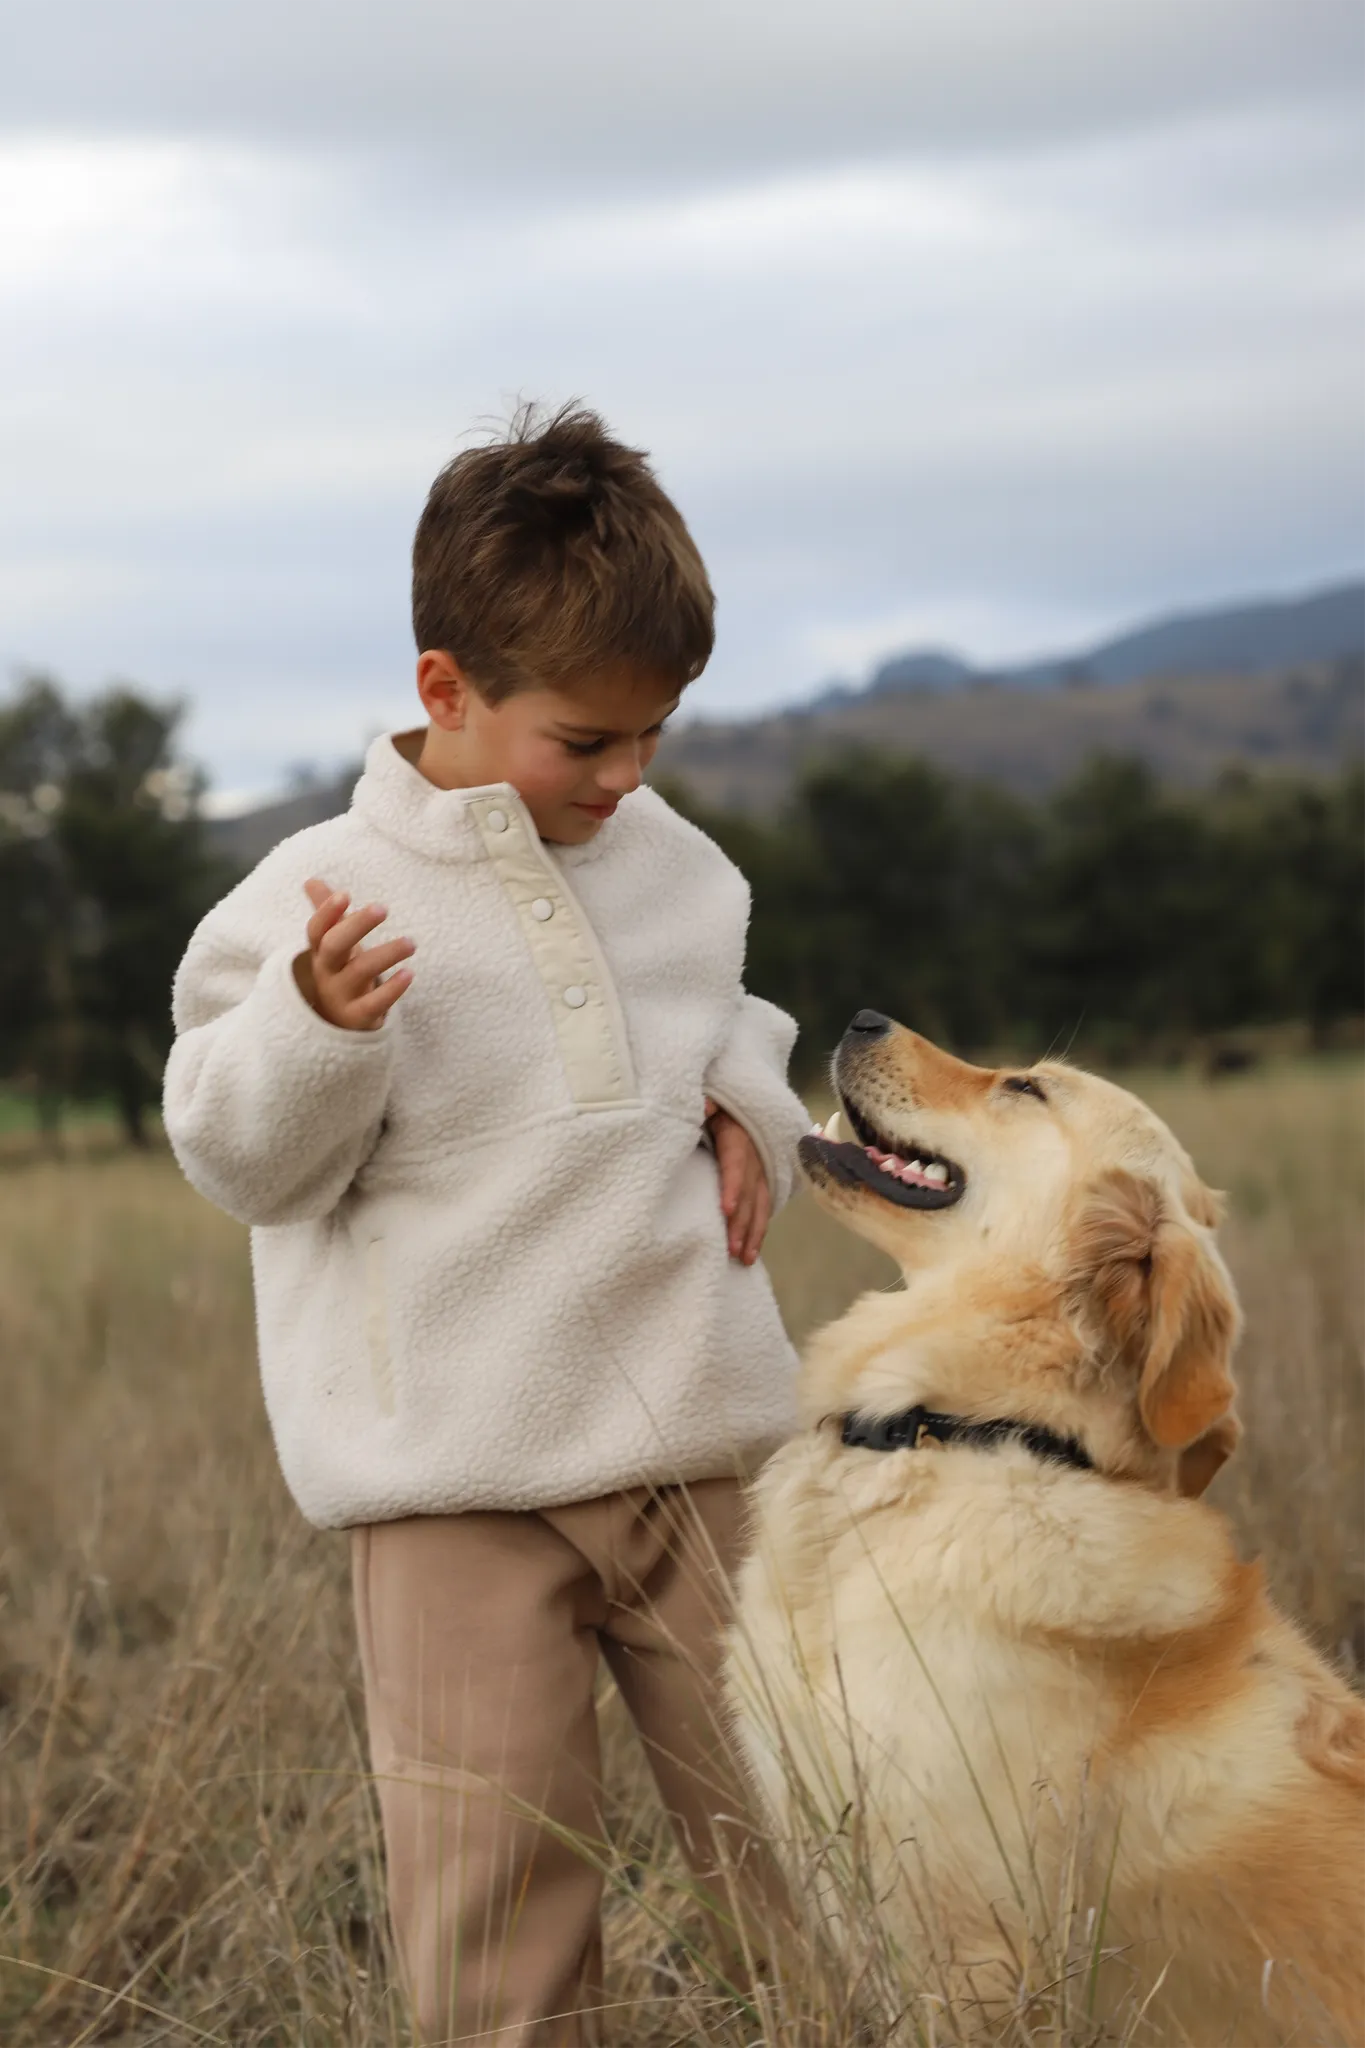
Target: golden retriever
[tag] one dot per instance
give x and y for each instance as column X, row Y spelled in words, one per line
column 1033, row 1739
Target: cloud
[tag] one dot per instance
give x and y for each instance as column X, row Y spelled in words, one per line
column 610, row 91
column 993, row 326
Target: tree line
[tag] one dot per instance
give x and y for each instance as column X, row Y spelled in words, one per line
column 1130, row 918
column 105, row 869
column 1116, row 912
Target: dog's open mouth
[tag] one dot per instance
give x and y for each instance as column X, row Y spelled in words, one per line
column 913, row 1177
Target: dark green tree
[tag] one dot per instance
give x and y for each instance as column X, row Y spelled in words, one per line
column 1128, row 908
column 112, row 871
column 40, row 1025
column 920, row 884
column 1336, row 973
column 1131, row 917
column 888, row 884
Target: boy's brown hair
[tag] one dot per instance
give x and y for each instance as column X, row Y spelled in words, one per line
column 554, row 552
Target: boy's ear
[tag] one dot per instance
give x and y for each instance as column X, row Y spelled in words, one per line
column 1165, row 1296
column 443, row 688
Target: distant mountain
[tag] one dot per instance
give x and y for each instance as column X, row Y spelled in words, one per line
column 1308, row 719
column 926, row 670
column 249, row 836
column 1239, row 639
column 1272, row 684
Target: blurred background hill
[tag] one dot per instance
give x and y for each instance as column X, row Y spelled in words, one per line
column 1235, row 639
column 1270, row 684
column 1307, row 718
column 1152, row 861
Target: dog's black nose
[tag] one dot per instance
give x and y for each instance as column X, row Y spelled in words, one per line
column 870, row 1024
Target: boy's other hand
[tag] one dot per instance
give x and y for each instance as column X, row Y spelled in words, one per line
column 745, row 1200
column 340, row 978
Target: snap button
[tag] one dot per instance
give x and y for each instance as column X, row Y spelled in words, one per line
column 497, row 821
column 575, row 997
column 542, row 910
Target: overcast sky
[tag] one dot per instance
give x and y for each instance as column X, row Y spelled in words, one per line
column 967, row 322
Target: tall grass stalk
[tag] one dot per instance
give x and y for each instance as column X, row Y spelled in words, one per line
column 188, row 1844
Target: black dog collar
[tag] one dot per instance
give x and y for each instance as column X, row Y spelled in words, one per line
column 908, row 1430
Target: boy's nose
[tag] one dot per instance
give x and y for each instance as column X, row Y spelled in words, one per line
column 623, row 773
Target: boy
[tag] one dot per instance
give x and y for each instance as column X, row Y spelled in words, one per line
column 507, row 1335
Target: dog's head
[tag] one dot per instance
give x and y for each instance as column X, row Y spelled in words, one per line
column 1063, row 1207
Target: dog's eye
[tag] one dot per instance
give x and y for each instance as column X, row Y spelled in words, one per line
column 1024, row 1084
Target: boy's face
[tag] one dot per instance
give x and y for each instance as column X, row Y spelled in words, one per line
column 570, row 754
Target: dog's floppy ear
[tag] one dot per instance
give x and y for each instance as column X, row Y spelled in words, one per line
column 1204, row 1459
column 1165, row 1297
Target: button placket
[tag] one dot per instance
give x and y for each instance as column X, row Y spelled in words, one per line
column 567, row 960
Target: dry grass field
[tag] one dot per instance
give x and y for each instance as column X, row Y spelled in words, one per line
column 187, row 1843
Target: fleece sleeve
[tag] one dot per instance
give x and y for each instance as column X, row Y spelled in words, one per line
column 748, row 1077
column 269, row 1109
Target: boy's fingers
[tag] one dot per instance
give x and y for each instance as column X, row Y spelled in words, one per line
column 335, row 946
column 369, row 961
column 325, row 916
column 746, row 1219
column 370, row 1008
column 730, row 1155
column 755, row 1201
column 317, row 891
column 762, row 1216
column 343, row 938
column 739, row 1225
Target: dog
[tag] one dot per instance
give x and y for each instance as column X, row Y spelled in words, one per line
column 1035, row 1745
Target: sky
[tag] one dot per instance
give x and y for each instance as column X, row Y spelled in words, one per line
column 947, row 322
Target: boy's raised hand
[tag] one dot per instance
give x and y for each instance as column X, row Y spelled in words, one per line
column 745, row 1200
column 340, row 978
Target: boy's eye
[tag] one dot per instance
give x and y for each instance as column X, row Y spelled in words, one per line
column 584, row 749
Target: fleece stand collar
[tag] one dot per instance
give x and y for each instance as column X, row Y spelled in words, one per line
column 444, row 824
column 909, row 1429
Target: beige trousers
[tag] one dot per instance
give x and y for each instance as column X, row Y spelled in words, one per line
column 480, row 1637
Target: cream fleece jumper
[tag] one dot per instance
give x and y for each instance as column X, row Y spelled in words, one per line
column 491, row 1268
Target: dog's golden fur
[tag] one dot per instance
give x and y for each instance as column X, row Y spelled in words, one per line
column 1001, row 1685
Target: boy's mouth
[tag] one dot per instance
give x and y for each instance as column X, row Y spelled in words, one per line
column 599, row 810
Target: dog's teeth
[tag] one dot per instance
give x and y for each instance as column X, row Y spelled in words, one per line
column 890, row 1164
column 937, row 1172
column 913, row 1166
